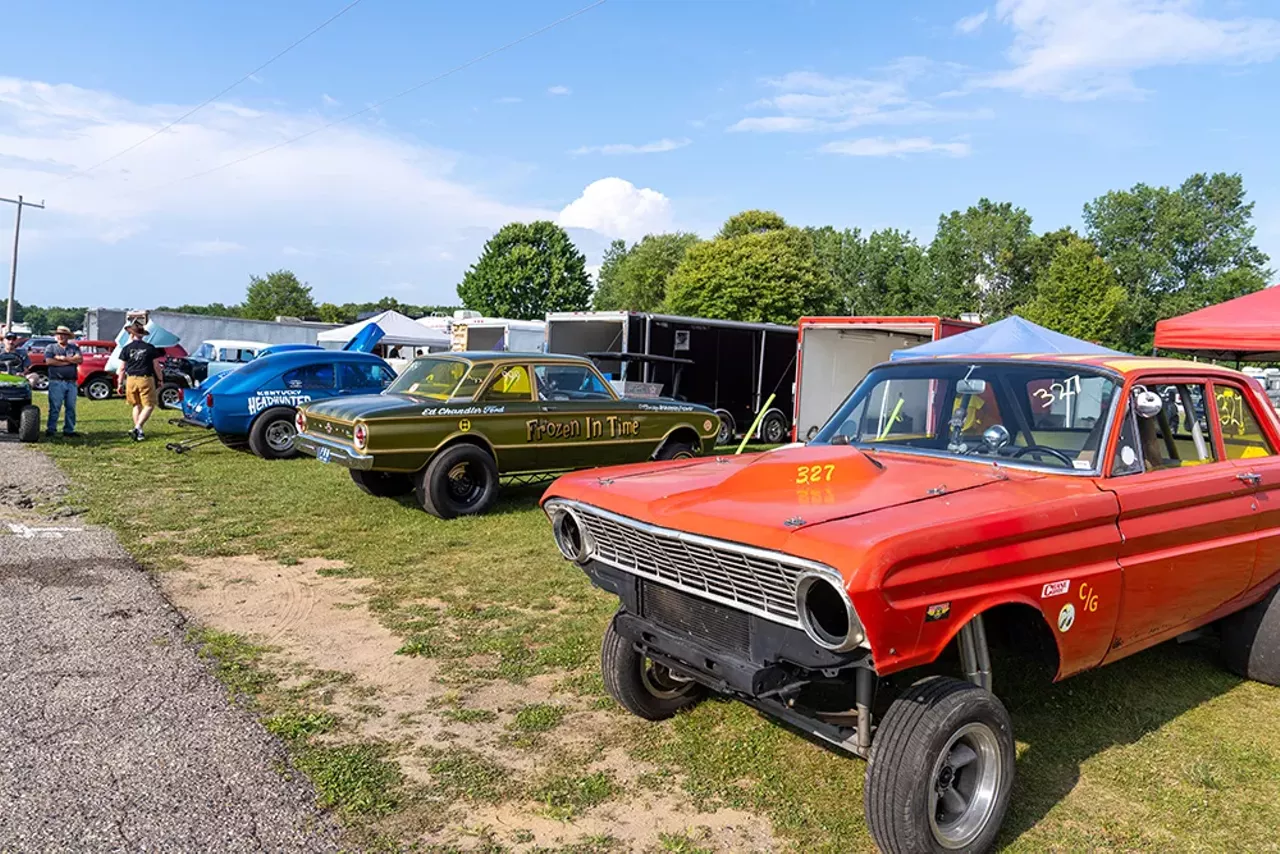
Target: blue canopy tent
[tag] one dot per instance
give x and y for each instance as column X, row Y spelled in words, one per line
column 1011, row 336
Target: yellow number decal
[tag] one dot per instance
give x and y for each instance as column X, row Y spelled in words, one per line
column 814, row 474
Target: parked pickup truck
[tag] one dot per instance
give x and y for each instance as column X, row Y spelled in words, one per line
column 1074, row 510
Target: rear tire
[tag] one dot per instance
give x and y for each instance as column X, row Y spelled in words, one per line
column 383, row 484
column 642, row 687
column 99, row 389
column 773, row 430
column 170, row 396
column 459, row 481
column 674, row 450
column 29, row 424
column 941, row 769
column 1251, row 640
column 272, row 434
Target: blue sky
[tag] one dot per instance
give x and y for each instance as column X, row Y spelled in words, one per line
column 633, row 117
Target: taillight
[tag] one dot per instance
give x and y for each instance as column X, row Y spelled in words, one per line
column 301, row 421
column 360, row 436
column 208, row 400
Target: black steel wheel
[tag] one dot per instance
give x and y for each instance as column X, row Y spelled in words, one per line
column 459, row 481
column 643, row 687
column 773, row 430
column 272, row 434
column 1251, row 640
column 383, row 484
column 29, row 424
column 941, row 769
column 99, row 388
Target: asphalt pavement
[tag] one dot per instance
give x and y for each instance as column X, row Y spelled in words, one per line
column 114, row 734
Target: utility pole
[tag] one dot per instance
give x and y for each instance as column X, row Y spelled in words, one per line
column 13, row 269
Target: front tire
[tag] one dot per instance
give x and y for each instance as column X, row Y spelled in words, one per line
column 170, row 396
column 39, row 380
column 382, row 484
column 272, row 434
column 29, row 424
column 644, row 688
column 727, row 428
column 459, row 481
column 98, row 389
column 1251, row 640
column 674, row 450
column 941, row 769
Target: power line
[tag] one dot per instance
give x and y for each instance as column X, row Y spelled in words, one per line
column 197, row 108
column 384, row 101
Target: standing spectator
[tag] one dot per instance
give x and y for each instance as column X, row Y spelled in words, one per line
column 12, row 360
column 62, row 359
column 139, row 376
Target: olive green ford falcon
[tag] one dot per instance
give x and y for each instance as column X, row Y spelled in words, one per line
column 452, row 424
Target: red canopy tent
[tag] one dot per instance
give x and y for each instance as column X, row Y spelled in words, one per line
column 1246, row 327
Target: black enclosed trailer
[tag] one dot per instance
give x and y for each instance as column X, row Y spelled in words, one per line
column 728, row 365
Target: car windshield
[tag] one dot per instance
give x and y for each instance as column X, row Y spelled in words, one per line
column 1049, row 415
column 431, row 377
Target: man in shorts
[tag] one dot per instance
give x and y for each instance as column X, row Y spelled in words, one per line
column 139, row 376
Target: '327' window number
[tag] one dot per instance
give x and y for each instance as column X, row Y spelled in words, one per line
column 1069, row 387
column 814, row 474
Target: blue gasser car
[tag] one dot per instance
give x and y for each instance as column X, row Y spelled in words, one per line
column 255, row 404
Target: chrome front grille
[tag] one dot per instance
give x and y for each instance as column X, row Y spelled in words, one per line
column 750, row 579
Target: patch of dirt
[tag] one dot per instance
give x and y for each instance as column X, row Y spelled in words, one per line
column 321, row 623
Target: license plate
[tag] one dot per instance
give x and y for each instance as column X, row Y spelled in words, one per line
column 322, row 455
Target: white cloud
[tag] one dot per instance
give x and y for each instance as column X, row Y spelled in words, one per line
column 972, row 23
column 328, row 100
column 1090, row 48
column 809, row 102
column 207, row 248
column 878, row 146
column 617, row 208
column 655, row 147
column 559, row 90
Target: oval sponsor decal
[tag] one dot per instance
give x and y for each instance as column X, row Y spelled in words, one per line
column 1066, row 617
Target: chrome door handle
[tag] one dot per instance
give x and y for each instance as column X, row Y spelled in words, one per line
column 1250, row 478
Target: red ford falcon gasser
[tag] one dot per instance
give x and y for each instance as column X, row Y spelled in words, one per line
column 1085, row 508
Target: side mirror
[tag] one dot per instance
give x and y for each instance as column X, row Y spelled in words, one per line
column 1147, row 403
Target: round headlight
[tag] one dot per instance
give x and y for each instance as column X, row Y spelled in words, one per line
column 827, row 615
column 300, row 420
column 569, row 534
column 360, row 436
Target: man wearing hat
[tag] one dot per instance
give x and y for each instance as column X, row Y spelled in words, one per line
column 13, row 360
column 139, row 376
column 62, row 361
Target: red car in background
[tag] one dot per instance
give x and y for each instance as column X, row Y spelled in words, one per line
column 95, row 381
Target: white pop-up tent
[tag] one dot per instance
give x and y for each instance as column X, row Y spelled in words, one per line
column 397, row 331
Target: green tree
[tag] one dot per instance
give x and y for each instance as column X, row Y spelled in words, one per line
column 525, row 271
column 758, row 275
column 1078, row 295
column 608, row 292
column 44, row 319
column 216, row 309
column 752, row 222
column 637, row 278
column 896, row 277
column 843, row 255
column 1177, row 250
column 279, row 293
column 981, row 259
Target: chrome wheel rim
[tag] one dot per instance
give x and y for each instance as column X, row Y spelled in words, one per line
column 661, row 682
column 280, row 435
column 171, row 397
column 964, row 785
column 98, row 391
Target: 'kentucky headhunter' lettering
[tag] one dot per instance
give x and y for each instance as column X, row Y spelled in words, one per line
column 610, row 427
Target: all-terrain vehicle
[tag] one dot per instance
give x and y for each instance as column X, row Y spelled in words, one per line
column 16, row 409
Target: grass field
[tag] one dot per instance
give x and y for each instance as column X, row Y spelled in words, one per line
column 1164, row 751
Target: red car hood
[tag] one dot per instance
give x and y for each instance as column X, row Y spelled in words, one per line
column 761, row 499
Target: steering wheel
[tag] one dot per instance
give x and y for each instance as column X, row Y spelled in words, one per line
column 1042, row 449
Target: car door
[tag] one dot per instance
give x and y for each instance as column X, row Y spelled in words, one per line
column 585, row 423
column 507, row 414
column 1250, row 446
column 1185, row 518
